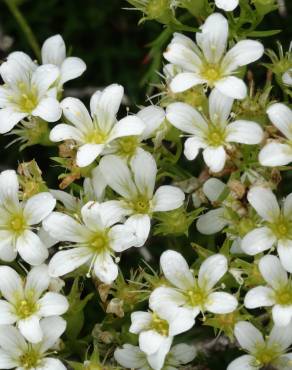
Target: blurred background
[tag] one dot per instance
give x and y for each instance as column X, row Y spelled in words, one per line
column 108, row 38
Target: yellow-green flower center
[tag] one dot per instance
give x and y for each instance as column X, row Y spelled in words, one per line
column 95, row 136
column 17, row 224
column 283, row 296
column 281, row 228
column 211, row 73
column 27, row 100
column 141, row 205
column 216, row 135
column 159, row 325
column 99, row 241
column 30, row 359
column 127, row 145
column 197, row 297
column 265, row 355
column 25, row 308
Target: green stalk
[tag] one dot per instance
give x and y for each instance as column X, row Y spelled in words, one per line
column 24, row 27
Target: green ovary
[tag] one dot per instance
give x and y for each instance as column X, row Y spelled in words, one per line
column 30, row 359
column 127, row 145
column 25, row 308
column 159, row 325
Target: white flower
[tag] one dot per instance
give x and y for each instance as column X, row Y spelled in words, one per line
column 27, row 91
column 227, row 5
column 262, row 352
column 213, row 135
column 287, row 77
column 276, row 226
column 15, row 352
column 26, row 303
column 278, row 293
column 136, row 185
column 206, row 63
column 131, row 357
column 277, row 153
column 95, row 134
column 94, row 239
column 192, row 295
column 17, row 219
column 54, row 52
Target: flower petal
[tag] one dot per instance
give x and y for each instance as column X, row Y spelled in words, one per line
column 211, row 271
column 52, row 328
column 282, row 315
column 71, row 68
column 7, row 361
column 31, row 248
column 184, row 81
column 144, row 168
column 232, row 86
column 219, row 106
column 281, row 117
column 183, row 56
column 152, row 117
column 109, row 100
column 53, row 304
column 140, row 226
column 257, row 241
column 105, row 268
column 37, row 281
column 157, row 359
column 245, row 132
column 127, row 126
column 30, row 328
column 275, row 154
column 9, row 118
column 150, row 341
column 44, row 77
column 248, row 336
column 10, row 284
column 87, row 154
column 130, row 356
column 7, row 316
column 281, row 336
column 212, row 221
column 192, row 146
column 176, row 270
column 76, row 113
column 221, row 303
column 167, row 198
column 213, row 188
column 140, row 321
column 245, row 362
column 66, row 261
column 65, row 132
column 51, row 364
column 38, row 207
column 9, row 189
column 259, row 296
column 54, row 50
column 273, row 271
column 264, row 202
column 215, row 158
column 285, row 254
column 166, row 296
column 11, row 341
column 227, row 5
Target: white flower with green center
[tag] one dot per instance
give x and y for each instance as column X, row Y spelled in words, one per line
column 275, row 227
column 19, row 219
column 278, row 152
column 205, row 63
column 190, row 293
column 54, row 52
column 227, row 5
column 131, row 357
column 17, row 353
column 136, row 186
column 287, row 77
column 215, row 134
column 96, row 133
column 277, row 293
column 27, row 302
column 27, row 91
column 94, row 239
column 263, row 353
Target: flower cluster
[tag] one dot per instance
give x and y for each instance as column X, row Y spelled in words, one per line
column 133, row 195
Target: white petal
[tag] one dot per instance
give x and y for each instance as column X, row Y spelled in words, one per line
column 219, row 106
column 184, row 353
column 65, row 132
column 118, row 176
column 166, row 296
column 248, row 336
column 259, row 296
column 150, row 341
column 66, row 261
column 87, row 154
column 7, row 316
column 71, row 68
column 10, row 284
column 186, row 118
column 51, row 364
column 54, row 50
column 184, row 81
column 167, row 198
column 183, row 56
column 37, row 281
column 288, row 206
column 285, row 254
column 23, row 60
column 213, row 188
column 52, row 327
column 105, row 268
column 7, row 361
column 282, row 315
column 215, row 158
column 76, row 113
column 213, row 37
column 123, row 237
column 9, row 189
column 272, row 271
column 140, row 321
column 38, row 207
column 257, row 241
column 227, row 5
column 176, row 270
column 91, row 216
column 245, row 132
column 140, row 226
column 281, row 336
column 11, row 341
column 144, row 168
column 9, row 118
column 31, row 248
column 212, row 221
column 128, row 126
column 53, row 304
column 7, row 250
column 152, row 116
column 264, row 202
column 30, row 328
column 180, row 319
column 109, row 100
column 157, row 359
column 65, row 228
column 281, row 117
column 232, row 86
column 98, row 183
column 243, row 53
column 275, row 154
column 130, row 356
column 245, row 362
column 44, row 77
column 212, row 270
column 111, row 212
column 192, row 146
column 48, row 109
column 221, row 303
column 287, row 77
